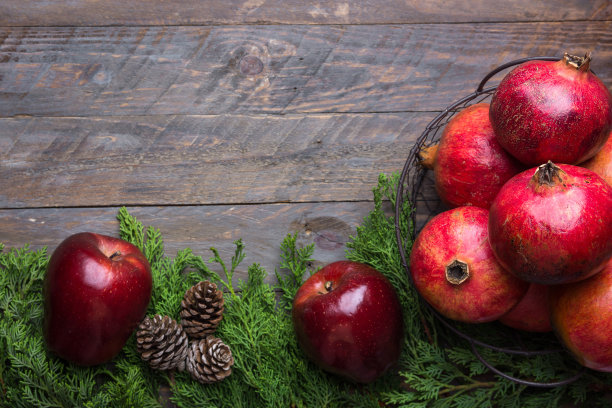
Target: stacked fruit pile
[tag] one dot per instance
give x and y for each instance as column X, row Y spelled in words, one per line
column 528, row 236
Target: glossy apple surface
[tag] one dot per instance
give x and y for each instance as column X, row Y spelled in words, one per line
column 96, row 291
column 348, row 320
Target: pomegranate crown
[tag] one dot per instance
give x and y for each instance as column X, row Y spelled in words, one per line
column 580, row 63
column 546, row 173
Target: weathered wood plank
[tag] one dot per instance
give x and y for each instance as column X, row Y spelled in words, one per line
column 261, row 227
column 270, row 69
column 186, row 160
column 158, row 12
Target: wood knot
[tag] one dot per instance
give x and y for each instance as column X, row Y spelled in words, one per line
column 250, row 65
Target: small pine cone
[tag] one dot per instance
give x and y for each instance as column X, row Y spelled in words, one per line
column 209, row 360
column 162, row 343
column 201, row 310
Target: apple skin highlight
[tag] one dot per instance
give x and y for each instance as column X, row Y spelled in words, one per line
column 96, row 291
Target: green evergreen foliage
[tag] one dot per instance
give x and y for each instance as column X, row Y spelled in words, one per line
column 436, row 369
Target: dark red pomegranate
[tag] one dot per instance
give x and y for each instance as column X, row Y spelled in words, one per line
column 531, row 312
column 602, row 162
column 581, row 314
column 547, row 110
column 469, row 164
column 553, row 225
column 455, row 271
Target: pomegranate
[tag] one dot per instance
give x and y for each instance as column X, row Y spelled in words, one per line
column 531, row 312
column 455, row 271
column 469, row 164
column 547, row 110
column 602, row 162
column 581, row 314
column 553, row 226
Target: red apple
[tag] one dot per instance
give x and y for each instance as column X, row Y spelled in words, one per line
column 348, row 320
column 96, row 291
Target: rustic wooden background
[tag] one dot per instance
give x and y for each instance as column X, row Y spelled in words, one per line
column 219, row 120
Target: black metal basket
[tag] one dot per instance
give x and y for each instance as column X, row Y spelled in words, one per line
column 417, row 187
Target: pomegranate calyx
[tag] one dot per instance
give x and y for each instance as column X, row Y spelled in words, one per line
column 546, row 174
column 582, row 64
column 457, row 272
column 427, row 156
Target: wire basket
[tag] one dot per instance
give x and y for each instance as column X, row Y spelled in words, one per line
column 416, row 186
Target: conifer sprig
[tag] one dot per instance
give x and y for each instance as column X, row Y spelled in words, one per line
column 436, row 369
column 294, row 262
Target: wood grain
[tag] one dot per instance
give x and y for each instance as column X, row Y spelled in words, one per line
column 187, row 12
column 187, row 160
column 328, row 226
column 99, row 71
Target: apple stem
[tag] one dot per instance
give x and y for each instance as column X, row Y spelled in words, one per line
column 115, row 255
column 328, row 286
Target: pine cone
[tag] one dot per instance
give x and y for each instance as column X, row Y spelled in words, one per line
column 201, row 309
column 162, row 342
column 209, row 360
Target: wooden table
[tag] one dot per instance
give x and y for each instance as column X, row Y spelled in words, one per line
column 251, row 119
